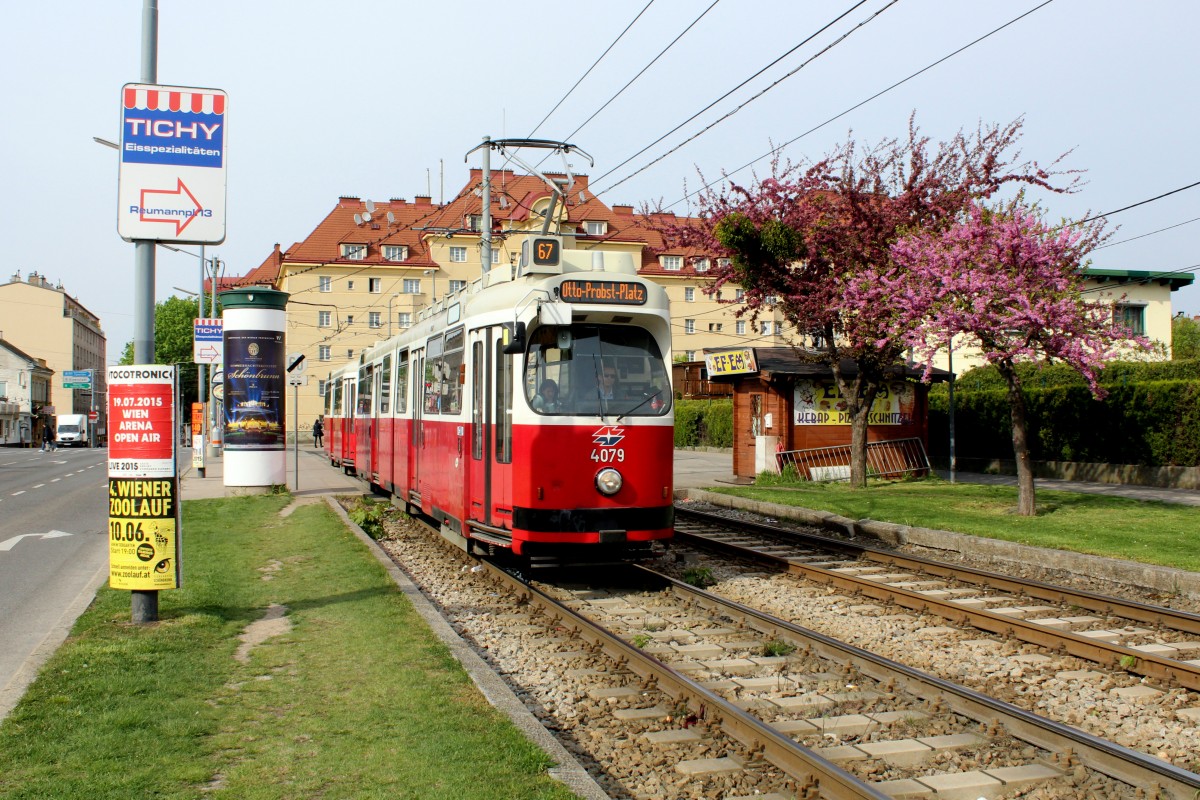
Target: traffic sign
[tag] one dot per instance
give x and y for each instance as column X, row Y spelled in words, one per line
column 208, row 343
column 295, row 363
column 77, row 384
column 93, row 416
column 77, row 378
column 171, row 185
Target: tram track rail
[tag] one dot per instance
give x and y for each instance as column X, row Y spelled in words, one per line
column 830, row 561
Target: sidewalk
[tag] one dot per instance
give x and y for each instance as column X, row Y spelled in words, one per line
column 317, row 477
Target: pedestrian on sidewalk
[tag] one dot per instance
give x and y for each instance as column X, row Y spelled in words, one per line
column 318, row 432
column 47, row 438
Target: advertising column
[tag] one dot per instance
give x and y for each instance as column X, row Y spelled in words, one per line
column 143, row 488
column 253, row 422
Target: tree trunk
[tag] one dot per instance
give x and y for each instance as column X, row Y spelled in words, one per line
column 1016, row 402
column 858, row 446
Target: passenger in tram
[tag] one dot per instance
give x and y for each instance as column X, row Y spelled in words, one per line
column 546, row 400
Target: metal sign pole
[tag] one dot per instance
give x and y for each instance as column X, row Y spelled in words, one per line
column 296, row 426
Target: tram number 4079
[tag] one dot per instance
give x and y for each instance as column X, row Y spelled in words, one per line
column 608, row 455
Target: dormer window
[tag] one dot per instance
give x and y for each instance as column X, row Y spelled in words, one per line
column 395, row 252
column 354, row 252
column 595, row 227
column 700, row 265
column 475, row 222
column 672, row 263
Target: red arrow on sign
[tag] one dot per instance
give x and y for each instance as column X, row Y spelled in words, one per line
column 180, row 221
column 207, row 353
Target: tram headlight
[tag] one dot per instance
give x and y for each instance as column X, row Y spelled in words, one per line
column 609, row 481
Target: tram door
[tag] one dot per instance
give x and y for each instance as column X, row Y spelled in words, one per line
column 417, row 440
column 490, row 467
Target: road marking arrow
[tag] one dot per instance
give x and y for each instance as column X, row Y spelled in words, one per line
column 9, row 544
column 179, row 191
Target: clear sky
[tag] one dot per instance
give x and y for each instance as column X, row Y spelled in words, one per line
column 383, row 99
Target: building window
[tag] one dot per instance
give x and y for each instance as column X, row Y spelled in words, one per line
column 458, row 286
column 350, row 286
column 740, row 327
column 321, row 388
column 1130, row 316
column 715, row 327
column 689, row 294
column 672, row 263
column 723, row 263
column 475, row 222
column 354, row 252
column 766, row 329
column 700, row 265
column 349, row 319
column 325, row 283
column 595, row 227
column 374, row 285
column 395, row 252
column 689, row 355
column 349, row 352
column 323, row 353
column 412, row 285
column 405, row 319
column 458, row 254
column 739, row 295
column 374, row 319
column 495, row 256
column 689, row 326
column 323, row 318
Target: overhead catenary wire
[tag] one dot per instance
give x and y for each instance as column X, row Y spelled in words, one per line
column 747, row 102
column 775, row 150
column 589, row 70
column 1144, row 235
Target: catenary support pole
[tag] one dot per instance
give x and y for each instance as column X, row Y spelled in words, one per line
column 485, row 218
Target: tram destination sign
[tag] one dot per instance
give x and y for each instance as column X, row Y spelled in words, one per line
column 625, row 293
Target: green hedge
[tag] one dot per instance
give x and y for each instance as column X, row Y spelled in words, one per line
column 704, row 423
column 1152, row 422
column 1119, row 373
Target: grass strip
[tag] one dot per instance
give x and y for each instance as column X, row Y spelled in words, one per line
column 1150, row 532
column 357, row 699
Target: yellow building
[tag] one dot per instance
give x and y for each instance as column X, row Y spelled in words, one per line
column 46, row 322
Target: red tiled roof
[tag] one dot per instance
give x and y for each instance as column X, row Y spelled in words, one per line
column 339, row 227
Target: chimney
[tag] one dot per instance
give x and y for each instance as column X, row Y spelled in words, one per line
column 423, row 200
column 34, row 278
column 16, row 277
column 622, row 209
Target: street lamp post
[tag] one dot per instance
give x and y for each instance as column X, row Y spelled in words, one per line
column 390, row 299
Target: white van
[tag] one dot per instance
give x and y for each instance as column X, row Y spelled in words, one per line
column 72, row 430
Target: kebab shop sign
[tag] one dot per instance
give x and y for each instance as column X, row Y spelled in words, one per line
column 143, row 490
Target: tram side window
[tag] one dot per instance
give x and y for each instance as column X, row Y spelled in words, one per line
column 364, row 390
column 385, row 385
column 433, row 375
column 504, row 403
column 402, row 382
column 452, row 372
column 336, row 403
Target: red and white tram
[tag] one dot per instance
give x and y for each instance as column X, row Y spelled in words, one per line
column 340, row 391
column 529, row 411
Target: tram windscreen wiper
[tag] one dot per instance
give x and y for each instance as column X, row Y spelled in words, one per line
column 639, row 405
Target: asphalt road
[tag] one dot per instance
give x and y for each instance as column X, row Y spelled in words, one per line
column 53, row 553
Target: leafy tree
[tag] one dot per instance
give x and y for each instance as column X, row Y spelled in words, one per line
column 1011, row 285
column 1185, row 338
column 802, row 237
column 173, row 331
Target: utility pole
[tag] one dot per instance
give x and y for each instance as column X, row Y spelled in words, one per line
column 485, row 220
column 145, row 603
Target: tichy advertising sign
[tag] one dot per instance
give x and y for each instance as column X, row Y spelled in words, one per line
column 208, row 341
column 144, row 545
column 171, row 185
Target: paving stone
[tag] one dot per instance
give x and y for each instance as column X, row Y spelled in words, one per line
column 855, row 570
column 1139, row 693
column 653, row 712
column 905, row 789
column 720, row 685
column 899, row 752
column 1023, row 775
column 731, row 666
column 808, row 702
column 868, row 608
column 708, row 766
column 963, row 591
column 1102, row 636
column 608, row 603
column 888, row 577
column 689, row 666
column 762, row 704
column 935, row 594
column 758, row 684
column 1053, row 623
column 1083, row 622
column 1035, row 610
column 914, row 586
column 1166, row 651
column 605, row 692
column 1012, row 611
column 970, row 602
column 1186, row 647
column 769, row 661
column 714, row 632
column 1195, row 662
column 938, row 630
column 1079, row 675
column 1191, row 714
column 673, row 736
column 962, row 785
column 853, row 696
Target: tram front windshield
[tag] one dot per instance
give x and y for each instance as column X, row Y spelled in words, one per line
column 607, row 370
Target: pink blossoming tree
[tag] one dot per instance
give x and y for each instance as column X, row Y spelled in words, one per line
column 1008, row 284
column 802, row 239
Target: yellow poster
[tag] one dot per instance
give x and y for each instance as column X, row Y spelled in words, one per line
column 818, row 402
column 143, row 533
